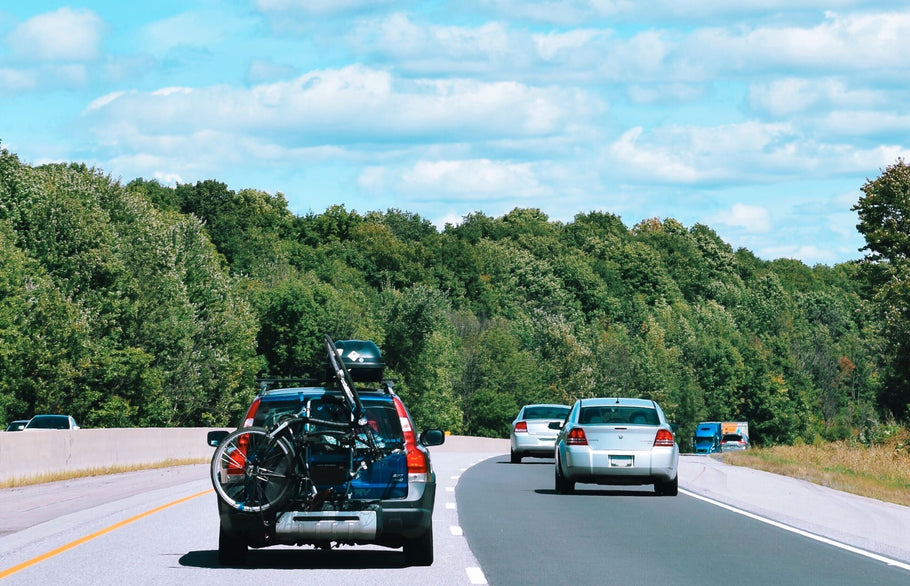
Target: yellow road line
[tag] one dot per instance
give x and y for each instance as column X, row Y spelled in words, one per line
column 87, row 538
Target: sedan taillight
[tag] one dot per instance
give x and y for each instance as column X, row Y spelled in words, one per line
column 664, row 438
column 577, row 437
column 521, row 427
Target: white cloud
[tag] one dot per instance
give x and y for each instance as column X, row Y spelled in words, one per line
column 654, row 161
column 200, row 29
column 263, row 70
column 789, row 96
column 320, row 6
column 690, row 154
column 841, row 42
column 752, row 219
column 15, row 80
column 807, row 253
column 63, row 35
column 473, row 179
column 353, row 104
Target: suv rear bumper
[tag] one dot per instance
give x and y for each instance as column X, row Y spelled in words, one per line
column 398, row 520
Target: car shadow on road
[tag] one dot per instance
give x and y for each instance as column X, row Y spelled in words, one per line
column 303, row 559
column 581, row 492
column 528, row 461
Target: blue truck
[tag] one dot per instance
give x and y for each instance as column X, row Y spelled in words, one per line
column 707, row 437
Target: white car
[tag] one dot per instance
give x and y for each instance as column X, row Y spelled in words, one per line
column 617, row 441
column 531, row 434
column 51, row 422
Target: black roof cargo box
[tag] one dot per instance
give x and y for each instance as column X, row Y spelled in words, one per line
column 362, row 359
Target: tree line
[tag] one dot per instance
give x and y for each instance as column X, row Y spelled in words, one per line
column 141, row 304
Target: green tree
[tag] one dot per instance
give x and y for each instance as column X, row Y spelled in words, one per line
column 884, row 222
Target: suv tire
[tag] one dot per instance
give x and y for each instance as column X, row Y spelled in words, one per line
column 231, row 550
column 419, row 551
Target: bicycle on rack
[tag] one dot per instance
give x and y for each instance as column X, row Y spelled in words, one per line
column 258, row 469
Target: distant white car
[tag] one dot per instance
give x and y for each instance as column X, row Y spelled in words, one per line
column 733, row 442
column 17, row 425
column 617, row 441
column 42, row 422
column 531, row 434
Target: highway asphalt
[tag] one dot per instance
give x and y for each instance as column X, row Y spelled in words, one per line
column 868, row 524
column 871, row 525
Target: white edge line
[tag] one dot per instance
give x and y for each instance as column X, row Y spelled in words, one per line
column 791, row 529
column 475, row 575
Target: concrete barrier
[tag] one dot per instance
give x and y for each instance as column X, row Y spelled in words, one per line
column 28, row 454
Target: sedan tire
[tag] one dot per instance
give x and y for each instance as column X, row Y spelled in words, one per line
column 563, row 484
column 670, row 488
column 515, row 458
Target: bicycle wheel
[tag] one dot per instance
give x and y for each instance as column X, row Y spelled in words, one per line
column 251, row 471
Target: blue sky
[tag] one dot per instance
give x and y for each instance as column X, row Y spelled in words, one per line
column 759, row 118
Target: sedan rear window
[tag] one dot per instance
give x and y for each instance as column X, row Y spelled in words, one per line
column 618, row 415
column 49, row 422
column 545, row 412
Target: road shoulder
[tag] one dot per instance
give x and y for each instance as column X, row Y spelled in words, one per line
column 869, row 524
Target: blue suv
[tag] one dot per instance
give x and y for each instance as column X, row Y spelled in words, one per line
column 340, row 478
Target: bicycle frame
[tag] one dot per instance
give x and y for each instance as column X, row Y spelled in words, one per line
column 258, row 469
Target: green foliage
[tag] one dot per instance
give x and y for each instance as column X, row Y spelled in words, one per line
column 150, row 305
column 884, row 214
column 125, row 313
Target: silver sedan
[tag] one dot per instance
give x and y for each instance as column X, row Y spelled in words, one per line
column 531, row 433
column 617, row 441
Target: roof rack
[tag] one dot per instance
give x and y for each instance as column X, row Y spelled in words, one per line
column 265, row 383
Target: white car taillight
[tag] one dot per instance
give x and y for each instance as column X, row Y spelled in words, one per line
column 577, row 437
column 664, row 438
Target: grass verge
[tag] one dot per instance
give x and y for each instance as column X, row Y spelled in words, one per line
column 70, row 474
column 880, row 472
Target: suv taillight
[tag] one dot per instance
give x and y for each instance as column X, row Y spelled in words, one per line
column 251, row 413
column 418, row 465
column 664, row 438
column 521, row 427
column 237, row 460
column 577, row 437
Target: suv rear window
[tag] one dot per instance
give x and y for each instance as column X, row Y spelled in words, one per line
column 380, row 413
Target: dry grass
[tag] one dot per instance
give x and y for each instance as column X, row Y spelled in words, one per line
column 880, row 471
column 70, row 474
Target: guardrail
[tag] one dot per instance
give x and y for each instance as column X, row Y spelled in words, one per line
column 30, row 454
column 27, row 454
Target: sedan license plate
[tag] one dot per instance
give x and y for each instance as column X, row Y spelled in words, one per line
column 621, row 461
